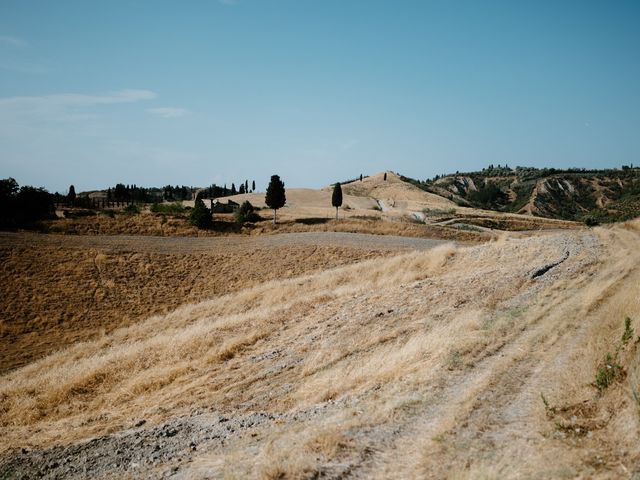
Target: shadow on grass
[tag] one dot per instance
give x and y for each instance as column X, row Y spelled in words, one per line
column 312, row 221
column 221, row 226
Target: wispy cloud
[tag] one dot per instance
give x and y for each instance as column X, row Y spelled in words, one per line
column 13, row 41
column 62, row 101
column 51, row 111
column 168, row 112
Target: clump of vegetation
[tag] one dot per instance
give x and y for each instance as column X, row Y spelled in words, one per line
column 246, row 213
column 490, row 195
column 628, row 331
column 131, row 209
column 466, row 227
column 591, row 221
column 23, row 206
column 439, row 212
column 608, row 372
column 200, row 215
column 174, row 208
column 78, row 213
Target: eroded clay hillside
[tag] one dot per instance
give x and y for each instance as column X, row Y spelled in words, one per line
column 604, row 196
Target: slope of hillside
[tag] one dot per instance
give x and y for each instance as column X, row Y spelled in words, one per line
column 608, row 195
column 395, row 194
column 463, row 362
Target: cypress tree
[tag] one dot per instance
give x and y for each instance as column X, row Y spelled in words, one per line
column 233, row 189
column 253, row 186
column 72, row 194
column 336, row 198
column 275, row 197
column 385, row 176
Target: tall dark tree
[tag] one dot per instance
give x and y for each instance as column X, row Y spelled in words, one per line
column 246, row 186
column 71, row 196
column 8, row 192
column 385, row 176
column 241, row 191
column 233, row 189
column 336, row 198
column 275, row 197
column 253, row 186
column 360, row 177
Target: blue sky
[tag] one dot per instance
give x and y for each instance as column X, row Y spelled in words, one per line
column 156, row 92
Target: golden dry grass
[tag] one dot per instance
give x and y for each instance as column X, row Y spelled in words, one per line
column 425, row 364
column 56, row 292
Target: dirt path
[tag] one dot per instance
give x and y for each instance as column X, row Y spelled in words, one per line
column 490, row 422
column 172, row 245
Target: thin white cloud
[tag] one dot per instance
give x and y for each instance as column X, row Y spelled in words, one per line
column 13, row 41
column 168, row 112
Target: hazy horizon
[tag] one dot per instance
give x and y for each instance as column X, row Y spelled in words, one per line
column 151, row 93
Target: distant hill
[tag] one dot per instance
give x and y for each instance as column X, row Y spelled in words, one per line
column 574, row 194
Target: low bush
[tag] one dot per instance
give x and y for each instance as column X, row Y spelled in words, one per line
column 246, row 213
column 174, row 208
column 608, row 372
column 131, row 209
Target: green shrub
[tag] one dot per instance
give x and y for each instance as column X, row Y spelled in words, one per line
column 200, row 216
column 438, row 212
column 607, row 372
column 591, row 221
column 628, row 331
column 246, row 213
column 131, row 209
column 175, row 208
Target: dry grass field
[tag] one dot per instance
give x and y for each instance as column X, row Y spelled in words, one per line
column 486, row 361
column 57, row 290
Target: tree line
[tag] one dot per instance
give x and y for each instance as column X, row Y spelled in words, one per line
column 275, row 198
column 22, row 206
